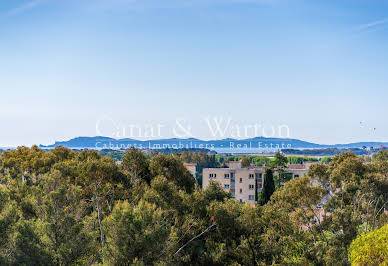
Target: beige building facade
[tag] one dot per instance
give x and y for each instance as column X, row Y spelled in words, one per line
column 245, row 183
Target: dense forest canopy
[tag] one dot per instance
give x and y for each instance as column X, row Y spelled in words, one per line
column 204, row 158
column 65, row 207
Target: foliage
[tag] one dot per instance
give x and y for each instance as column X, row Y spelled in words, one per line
column 172, row 168
column 370, row 248
column 202, row 160
column 268, row 186
column 135, row 233
column 63, row 207
column 280, row 160
column 136, row 165
column 245, row 162
column 325, row 151
column 300, row 160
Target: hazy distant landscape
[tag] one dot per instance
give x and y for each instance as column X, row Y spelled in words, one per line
column 256, row 144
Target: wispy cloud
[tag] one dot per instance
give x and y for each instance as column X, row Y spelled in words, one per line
column 372, row 24
column 161, row 4
column 26, row 6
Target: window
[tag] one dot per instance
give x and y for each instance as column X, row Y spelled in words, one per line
column 240, row 180
column 240, row 200
column 240, row 190
column 251, row 176
column 226, row 186
column 251, row 187
column 260, row 180
column 251, row 197
column 212, row 175
column 226, row 176
column 259, row 185
column 296, row 175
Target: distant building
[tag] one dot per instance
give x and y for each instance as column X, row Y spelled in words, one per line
column 191, row 167
column 245, row 183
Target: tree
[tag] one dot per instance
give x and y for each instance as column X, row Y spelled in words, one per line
column 279, row 164
column 172, row 168
column 100, row 178
column 60, row 207
column 300, row 199
column 26, row 246
column 234, row 239
column 136, row 165
column 356, row 202
column 280, row 160
column 268, row 187
column 381, row 156
column 245, row 162
column 282, row 243
column 370, row 248
column 166, row 195
column 261, row 161
column 326, row 159
column 135, row 234
column 61, row 212
column 8, row 217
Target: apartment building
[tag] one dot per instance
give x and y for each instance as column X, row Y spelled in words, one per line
column 245, row 183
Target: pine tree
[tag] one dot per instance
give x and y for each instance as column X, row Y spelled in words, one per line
column 268, row 187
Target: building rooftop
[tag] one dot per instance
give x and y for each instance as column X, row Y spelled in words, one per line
column 296, row 166
column 190, row 164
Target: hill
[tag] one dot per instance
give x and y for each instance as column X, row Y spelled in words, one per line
column 192, row 143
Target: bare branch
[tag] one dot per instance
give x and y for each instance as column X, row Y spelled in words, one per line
column 191, row 240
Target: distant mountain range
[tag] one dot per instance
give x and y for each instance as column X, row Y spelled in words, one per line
column 256, row 143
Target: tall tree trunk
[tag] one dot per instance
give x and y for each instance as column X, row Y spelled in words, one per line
column 99, row 216
column 367, row 215
column 374, row 214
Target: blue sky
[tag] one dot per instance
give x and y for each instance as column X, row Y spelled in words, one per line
column 319, row 67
